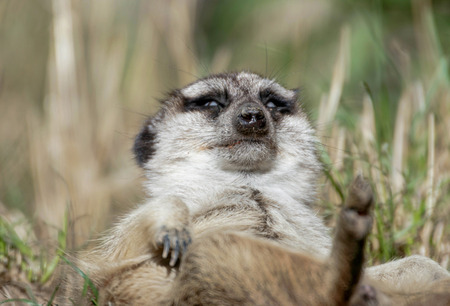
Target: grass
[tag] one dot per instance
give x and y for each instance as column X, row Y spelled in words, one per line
column 25, row 269
column 374, row 76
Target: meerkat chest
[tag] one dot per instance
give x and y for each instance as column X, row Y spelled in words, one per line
column 248, row 210
column 244, row 210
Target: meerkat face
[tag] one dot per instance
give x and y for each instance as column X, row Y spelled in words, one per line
column 240, row 121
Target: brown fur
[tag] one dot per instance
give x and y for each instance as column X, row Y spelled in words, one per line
column 235, row 269
column 224, row 267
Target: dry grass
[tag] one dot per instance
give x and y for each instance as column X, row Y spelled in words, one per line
column 411, row 187
column 76, row 78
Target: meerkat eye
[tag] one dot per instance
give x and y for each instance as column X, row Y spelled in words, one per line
column 276, row 103
column 212, row 104
column 270, row 104
column 204, row 103
column 209, row 104
column 281, row 106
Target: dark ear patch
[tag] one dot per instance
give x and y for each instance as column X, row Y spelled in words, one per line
column 144, row 144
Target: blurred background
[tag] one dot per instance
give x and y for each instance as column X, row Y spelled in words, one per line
column 78, row 78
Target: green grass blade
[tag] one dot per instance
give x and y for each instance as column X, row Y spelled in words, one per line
column 87, row 281
column 21, row 301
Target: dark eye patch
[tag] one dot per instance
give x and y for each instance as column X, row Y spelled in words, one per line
column 206, row 103
column 275, row 102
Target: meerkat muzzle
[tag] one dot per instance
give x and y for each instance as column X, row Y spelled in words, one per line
column 251, row 120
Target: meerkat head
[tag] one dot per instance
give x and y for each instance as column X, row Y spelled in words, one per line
column 236, row 122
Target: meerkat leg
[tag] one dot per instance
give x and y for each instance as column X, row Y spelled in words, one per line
column 346, row 261
column 171, row 232
column 408, row 273
column 138, row 254
column 160, row 227
column 372, row 293
column 437, row 293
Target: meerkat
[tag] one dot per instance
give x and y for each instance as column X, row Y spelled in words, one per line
column 230, row 153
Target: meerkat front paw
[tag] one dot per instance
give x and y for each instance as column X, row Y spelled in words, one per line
column 174, row 241
column 356, row 215
column 170, row 231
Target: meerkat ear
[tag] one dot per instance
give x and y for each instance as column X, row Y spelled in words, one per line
column 298, row 94
column 144, row 144
column 297, row 91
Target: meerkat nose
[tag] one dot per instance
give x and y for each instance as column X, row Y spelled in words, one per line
column 251, row 119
